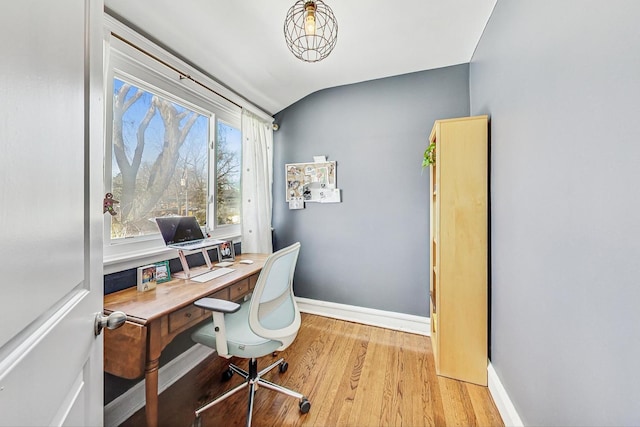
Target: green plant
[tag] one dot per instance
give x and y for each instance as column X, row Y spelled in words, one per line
column 429, row 155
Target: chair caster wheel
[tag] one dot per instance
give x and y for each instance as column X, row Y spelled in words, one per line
column 283, row 367
column 226, row 375
column 305, row 405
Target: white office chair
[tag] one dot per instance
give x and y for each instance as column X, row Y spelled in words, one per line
column 268, row 322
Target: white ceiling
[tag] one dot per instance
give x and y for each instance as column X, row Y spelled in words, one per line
column 241, row 43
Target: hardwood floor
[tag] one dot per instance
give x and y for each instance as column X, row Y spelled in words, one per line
column 353, row 374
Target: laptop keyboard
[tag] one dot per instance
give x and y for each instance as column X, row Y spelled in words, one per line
column 190, row 243
column 196, row 244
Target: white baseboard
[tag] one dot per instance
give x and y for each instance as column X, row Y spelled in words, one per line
column 125, row 405
column 367, row 316
column 507, row 411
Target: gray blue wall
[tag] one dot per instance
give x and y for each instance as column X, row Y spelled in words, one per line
column 371, row 250
column 561, row 81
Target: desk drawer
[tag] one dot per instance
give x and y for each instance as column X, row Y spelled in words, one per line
column 239, row 289
column 185, row 316
column 222, row 294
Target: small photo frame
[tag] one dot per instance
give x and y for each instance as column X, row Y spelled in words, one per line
column 147, row 278
column 227, row 252
column 163, row 274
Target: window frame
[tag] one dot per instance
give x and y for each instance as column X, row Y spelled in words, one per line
column 146, row 65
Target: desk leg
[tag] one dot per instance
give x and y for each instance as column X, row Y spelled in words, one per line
column 151, row 373
column 151, row 392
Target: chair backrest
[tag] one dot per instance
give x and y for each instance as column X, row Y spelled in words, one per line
column 273, row 312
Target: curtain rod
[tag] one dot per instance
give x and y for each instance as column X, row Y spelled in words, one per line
column 180, row 73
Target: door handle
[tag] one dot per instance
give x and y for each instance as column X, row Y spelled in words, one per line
column 112, row 321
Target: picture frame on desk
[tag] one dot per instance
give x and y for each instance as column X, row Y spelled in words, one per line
column 147, row 278
column 227, row 251
column 163, row 273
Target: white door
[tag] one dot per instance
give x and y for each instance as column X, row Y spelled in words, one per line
column 51, row 123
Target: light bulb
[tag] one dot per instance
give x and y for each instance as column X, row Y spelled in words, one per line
column 310, row 19
column 310, row 25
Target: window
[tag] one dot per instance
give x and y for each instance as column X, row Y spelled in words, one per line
column 160, row 162
column 228, row 155
column 174, row 148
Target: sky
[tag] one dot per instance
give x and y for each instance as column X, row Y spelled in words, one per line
column 154, row 135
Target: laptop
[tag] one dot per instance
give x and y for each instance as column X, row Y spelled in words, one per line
column 183, row 232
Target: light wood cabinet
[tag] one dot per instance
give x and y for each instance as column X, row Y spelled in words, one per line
column 459, row 248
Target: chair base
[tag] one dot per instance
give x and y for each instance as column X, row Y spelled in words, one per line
column 253, row 379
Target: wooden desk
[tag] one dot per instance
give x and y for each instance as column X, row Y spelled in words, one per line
column 156, row 317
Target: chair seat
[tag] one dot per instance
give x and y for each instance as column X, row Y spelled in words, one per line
column 241, row 340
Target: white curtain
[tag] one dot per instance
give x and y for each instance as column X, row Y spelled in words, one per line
column 257, row 180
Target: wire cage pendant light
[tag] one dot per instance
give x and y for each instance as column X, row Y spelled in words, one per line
column 310, row 30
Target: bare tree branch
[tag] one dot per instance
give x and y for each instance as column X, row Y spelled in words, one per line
column 163, row 168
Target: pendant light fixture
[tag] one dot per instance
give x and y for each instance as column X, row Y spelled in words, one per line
column 311, row 30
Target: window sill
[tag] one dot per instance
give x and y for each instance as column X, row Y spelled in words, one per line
column 128, row 256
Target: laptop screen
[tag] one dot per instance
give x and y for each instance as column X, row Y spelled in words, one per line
column 178, row 229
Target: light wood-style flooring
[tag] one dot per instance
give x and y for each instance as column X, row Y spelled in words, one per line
column 353, row 374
